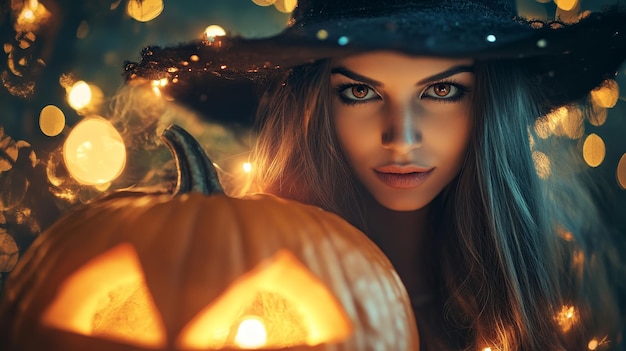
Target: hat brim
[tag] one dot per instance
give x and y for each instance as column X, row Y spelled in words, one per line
column 568, row 59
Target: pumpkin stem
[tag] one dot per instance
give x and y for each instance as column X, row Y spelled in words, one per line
column 196, row 172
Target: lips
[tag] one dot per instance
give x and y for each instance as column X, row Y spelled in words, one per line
column 401, row 176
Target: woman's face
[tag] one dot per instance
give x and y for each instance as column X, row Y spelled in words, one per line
column 403, row 123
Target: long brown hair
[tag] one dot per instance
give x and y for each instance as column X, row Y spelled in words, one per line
column 510, row 257
column 297, row 155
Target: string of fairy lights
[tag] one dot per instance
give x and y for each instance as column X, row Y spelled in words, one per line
column 94, row 153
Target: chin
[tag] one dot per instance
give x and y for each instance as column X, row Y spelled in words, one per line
column 403, row 205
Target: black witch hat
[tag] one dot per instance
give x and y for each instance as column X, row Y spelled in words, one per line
column 569, row 59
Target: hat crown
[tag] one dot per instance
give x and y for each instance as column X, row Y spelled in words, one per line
column 313, row 10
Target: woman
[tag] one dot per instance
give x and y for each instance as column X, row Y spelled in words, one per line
column 415, row 120
column 440, row 175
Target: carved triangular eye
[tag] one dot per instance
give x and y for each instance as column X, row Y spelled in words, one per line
column 107, row 297
column 280, row 303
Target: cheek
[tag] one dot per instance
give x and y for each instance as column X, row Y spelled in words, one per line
column 357, row 133
column 448, row 137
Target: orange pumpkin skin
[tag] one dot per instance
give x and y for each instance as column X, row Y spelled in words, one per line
column 191, row 248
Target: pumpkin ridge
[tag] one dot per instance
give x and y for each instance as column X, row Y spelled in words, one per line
column 339, row 276
column 377, row 266
column 190, row 208
column 193, row 293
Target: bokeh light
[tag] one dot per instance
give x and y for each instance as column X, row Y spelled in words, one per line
column 598, row 116
column 322, row 34
column 94, row 152
column 31, row 16
column 247, row 167
column 144, row 10
column 564, row 121
column 566, row 5
column 607, row 95
column 213, row 31
column 285, row 6
column 621, row 172
column 594, row 150
column 264, row 2
column 79, row 95
column 51, row 120
column 567, row 317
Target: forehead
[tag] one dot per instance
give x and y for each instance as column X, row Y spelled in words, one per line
column 384, row 64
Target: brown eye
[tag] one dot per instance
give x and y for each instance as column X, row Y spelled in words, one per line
column 357, row 93
column 444, row 92
column 442, row 89
column 360, row 91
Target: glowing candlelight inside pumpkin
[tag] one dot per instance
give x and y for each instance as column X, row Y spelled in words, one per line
column 283, row 304
column 116, row 306
column 94, row 152
column 251, row 333
column 294, row 306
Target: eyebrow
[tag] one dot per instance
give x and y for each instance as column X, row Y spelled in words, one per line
column 435, row 77
column 447, row 73
column 355, row 76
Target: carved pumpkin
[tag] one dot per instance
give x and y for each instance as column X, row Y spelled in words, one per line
column 139, row 271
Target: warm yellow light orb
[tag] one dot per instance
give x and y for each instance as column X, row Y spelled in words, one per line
column 251, row 333
column 594, row 150
column 607, row 95
column 79, row 95
column 94, row 152
column 213, row 31
column 144, row 10
column 285, row 6
column 621, row 172
column 28, row 14
column 51, row 120
column 247, row 167
column 566, row 5
column 264, row 2
column 32, row 15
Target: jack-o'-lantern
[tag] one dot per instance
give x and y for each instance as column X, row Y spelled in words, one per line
column 193, row 271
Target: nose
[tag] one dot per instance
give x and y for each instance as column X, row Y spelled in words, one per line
column 401, row 132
